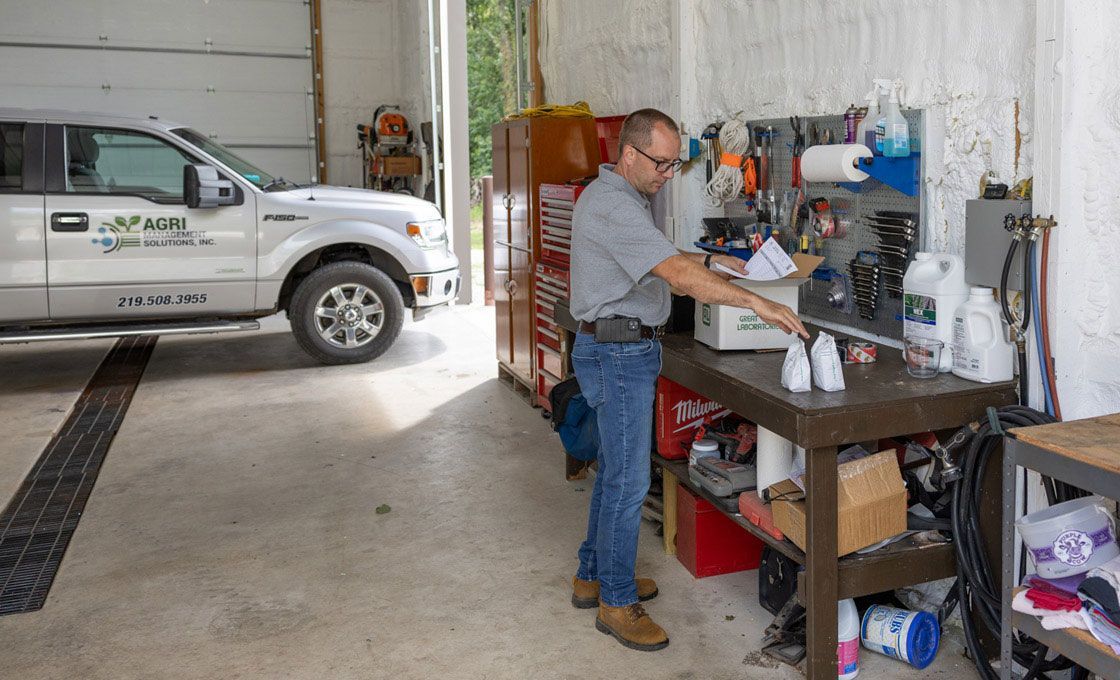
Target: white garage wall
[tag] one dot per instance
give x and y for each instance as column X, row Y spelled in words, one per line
column 237, row 69
column 1079, row 98
column 969, row 65
column 374, row 52
column 613, row 55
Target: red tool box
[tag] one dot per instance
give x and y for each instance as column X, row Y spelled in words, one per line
column 678, row 412
column 551, row 284
column 552, row 352
column 557, row 202
column 708, row 543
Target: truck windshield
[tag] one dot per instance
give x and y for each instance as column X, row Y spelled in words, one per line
column 239, row 165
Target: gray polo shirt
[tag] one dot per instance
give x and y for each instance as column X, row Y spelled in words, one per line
column 615, row 244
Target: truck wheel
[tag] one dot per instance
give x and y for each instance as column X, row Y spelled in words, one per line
column 346, row 313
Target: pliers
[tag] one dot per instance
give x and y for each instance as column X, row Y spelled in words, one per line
column 797, row 150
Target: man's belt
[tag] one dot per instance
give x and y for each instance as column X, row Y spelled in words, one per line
column 648, row 332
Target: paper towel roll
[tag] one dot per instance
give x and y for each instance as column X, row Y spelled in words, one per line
column 834, row 163
column 774, row 458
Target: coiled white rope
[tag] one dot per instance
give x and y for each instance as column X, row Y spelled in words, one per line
column 727, row 182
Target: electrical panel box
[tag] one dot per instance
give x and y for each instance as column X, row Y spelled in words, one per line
column 986, row 242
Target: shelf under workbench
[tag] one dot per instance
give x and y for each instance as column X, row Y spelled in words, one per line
column 894, row 566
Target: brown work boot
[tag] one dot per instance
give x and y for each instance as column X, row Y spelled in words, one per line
column 632, row 626
column 585, row 594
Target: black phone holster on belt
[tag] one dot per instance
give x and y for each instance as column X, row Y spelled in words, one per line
column 618, row 329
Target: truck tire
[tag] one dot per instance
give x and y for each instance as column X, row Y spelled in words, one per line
column 346, row 313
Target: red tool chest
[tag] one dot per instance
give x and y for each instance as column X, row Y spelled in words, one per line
column 708, row 543
column 551, row 284
column 557, row 202
column 552, row 348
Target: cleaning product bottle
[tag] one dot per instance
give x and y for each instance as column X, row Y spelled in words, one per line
column 883, row 92
column 865, row 131
column 896, row 134
column 981, row 350
column 932, row 289
column 847, row 637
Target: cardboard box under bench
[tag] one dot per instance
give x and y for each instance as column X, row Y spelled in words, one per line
column 871, row 499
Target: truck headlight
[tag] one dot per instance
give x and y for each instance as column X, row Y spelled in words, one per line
column 428, row 234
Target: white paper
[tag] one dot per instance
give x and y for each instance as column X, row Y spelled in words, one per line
column 768, row 264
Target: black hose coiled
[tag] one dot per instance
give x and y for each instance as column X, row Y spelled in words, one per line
column 977, row 583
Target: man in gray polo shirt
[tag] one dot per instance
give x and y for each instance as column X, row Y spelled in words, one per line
column 622, row 268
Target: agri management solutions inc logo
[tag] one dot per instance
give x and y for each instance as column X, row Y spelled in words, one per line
column 113, row 236
column 151, row 232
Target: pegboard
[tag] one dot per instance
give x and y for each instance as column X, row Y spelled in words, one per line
column 838, row 252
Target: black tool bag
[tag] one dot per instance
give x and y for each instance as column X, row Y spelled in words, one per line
column 574, row 420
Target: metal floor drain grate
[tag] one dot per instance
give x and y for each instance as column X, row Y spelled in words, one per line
column 37, row 524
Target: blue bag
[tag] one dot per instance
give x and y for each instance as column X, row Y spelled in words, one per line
column 575, row 421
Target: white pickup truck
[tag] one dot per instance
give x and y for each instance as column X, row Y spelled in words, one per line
column 115, row 226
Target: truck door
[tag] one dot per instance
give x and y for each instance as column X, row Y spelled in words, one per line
column 23, row 262
column 121, row 242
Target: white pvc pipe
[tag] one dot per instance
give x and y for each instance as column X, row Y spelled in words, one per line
column 774, row 459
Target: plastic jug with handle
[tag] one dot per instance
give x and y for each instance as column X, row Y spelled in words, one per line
column 981, row 350
column 933, row 288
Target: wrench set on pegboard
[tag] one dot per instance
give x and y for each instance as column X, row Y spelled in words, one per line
column 875, row 233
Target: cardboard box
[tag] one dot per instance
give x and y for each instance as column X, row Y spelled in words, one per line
column 678, row 412
column 400, row 166
column 723, row 327
column 871, row 499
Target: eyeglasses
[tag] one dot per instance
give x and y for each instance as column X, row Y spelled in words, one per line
column 660, row 165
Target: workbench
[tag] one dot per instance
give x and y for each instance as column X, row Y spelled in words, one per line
column 880, row 401
column 1086, row 454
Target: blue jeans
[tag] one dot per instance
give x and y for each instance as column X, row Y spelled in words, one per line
column 618, row 380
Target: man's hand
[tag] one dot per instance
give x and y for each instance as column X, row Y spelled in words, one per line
column 779, row 315
column 731, row 262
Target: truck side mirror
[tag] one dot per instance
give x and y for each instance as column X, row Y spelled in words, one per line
column 202, row 188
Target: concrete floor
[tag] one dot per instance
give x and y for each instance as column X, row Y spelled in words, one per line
column 233, row 534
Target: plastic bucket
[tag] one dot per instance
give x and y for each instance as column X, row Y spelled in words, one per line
column 908, row 636
column 1069, row 538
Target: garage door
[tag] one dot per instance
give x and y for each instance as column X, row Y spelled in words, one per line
column 237, row 70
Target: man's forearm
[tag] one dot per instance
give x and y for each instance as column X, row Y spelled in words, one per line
column 690, row 276
column 695, row 257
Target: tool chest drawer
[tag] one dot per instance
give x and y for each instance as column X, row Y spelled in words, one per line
column 557, row 203
column 561, row 195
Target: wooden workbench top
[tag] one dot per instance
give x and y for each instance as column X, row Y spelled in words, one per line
column 1092, row 441
column 880, row 399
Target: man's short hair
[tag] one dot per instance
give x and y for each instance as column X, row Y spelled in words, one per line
column 637, row 129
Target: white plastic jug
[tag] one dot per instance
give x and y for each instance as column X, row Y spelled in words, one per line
column 981, row 350
column 847, row 640
column 933, row 288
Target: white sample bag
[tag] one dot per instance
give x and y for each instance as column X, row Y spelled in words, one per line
column 795, row 369
column 828, row 371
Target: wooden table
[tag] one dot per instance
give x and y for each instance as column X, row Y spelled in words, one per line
column 881, row 400
column 1086, row 454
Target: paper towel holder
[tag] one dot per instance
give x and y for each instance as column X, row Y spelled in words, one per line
column 899, row 173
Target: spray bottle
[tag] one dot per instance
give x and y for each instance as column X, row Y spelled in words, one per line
column 896, row 135
column 865, row 131
column 883, row 91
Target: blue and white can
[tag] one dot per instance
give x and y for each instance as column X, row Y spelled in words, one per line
column 908, row 636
